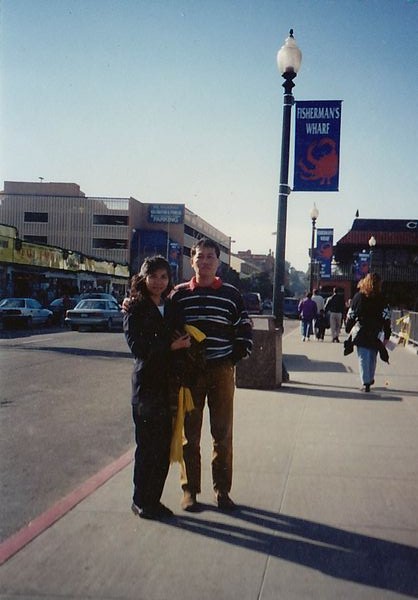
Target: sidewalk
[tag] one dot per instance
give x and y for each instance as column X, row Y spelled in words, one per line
column 327, row 482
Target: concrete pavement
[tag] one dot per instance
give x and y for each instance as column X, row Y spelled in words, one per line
column 327, row 482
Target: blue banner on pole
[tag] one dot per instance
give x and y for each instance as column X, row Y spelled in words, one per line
column 324, row 250
column 317, row 146
column 362, row 265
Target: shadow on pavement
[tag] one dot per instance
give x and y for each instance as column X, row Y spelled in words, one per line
column 301, row 362
column 80, row 351
column 338, row 553
column 338, row 394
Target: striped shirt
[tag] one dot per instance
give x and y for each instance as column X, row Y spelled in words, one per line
column 219, row 312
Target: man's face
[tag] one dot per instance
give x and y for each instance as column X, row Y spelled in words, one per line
column 205, row 263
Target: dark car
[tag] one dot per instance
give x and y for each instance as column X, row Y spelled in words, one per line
column 95, row 313
column 24, row 311
column 252, row 302
column 59, row 306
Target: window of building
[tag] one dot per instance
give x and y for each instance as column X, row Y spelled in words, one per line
column 36, row 217
column 110, row 220
column 36, row 239
column 110, row 243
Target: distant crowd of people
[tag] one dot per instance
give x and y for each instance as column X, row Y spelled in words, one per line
column 366, row 318
column 317, row 315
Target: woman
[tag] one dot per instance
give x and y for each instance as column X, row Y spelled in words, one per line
column 371, row 315
column 152, row 325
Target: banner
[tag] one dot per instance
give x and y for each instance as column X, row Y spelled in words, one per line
column 324, row 251
column 317, row 146
column 361, row 265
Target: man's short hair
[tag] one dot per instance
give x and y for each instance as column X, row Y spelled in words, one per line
column 205, row 243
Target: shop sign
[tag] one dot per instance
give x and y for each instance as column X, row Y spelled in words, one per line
column 166, row 213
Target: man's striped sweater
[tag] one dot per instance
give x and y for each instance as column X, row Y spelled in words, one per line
column 219, row 312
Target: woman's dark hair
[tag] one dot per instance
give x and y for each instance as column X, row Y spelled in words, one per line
column 138, row 289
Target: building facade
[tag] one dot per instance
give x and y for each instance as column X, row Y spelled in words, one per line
column 386, row 246
column 122, row 230
column 45, row 272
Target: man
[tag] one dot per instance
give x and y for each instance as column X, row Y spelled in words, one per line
column 335, row 306
column 319, row 301
column 320, row 316
column 217, row 309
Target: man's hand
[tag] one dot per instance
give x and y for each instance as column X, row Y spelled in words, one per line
column 180, row 342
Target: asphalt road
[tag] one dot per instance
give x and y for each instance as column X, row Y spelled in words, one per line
column 65, row 414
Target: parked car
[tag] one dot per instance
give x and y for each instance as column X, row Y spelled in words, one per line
column 267, row 305
column 59, row 306
column 290, row 308
column 252, row 302
column 24, row 311
column 95, row 313
column 97, row 296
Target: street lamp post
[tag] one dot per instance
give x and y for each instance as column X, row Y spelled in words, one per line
column 314, row 215
column 372, row 244
column 289, row 59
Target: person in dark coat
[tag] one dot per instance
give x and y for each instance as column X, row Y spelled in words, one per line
column 335, row 306
column 153, row 328
column 368, row 319
column 321, row 322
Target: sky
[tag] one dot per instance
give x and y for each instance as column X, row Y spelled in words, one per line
column 180, row 101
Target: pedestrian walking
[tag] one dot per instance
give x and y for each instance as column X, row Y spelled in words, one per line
column 320, row 303
column 153, row 328
column 319, row 300
column 368, row 320
column 334, row 306
column 320, row 325
column 307, row 312
column 217, row 309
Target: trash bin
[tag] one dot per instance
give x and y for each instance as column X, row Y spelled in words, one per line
column 263, row 369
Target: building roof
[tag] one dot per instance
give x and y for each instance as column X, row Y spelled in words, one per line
column 387, row 232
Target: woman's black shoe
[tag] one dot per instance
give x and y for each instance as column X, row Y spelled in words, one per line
column 152, row 513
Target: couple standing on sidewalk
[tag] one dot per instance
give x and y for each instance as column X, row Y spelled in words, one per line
column 154, row 329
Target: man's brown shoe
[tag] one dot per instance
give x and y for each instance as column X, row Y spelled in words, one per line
column 225, row 502
column 189, row 502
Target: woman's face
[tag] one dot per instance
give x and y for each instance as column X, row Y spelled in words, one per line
column 157, row 283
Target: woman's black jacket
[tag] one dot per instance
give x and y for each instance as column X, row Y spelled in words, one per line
column 149, row 336
column 373, row 316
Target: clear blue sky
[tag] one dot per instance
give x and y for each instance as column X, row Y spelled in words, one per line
column 181, row 101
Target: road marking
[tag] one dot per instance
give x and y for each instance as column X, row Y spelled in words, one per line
column 37, row 340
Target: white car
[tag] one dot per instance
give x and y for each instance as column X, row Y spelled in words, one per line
column 95, row 314
column 26, row 311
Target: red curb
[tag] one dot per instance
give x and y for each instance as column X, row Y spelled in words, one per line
column 21, row 538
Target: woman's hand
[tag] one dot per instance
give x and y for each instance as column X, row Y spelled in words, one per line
column 125, row 305
column 180, row 342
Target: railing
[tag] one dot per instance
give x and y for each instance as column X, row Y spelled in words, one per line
column 407, row 273
column 405, row 326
